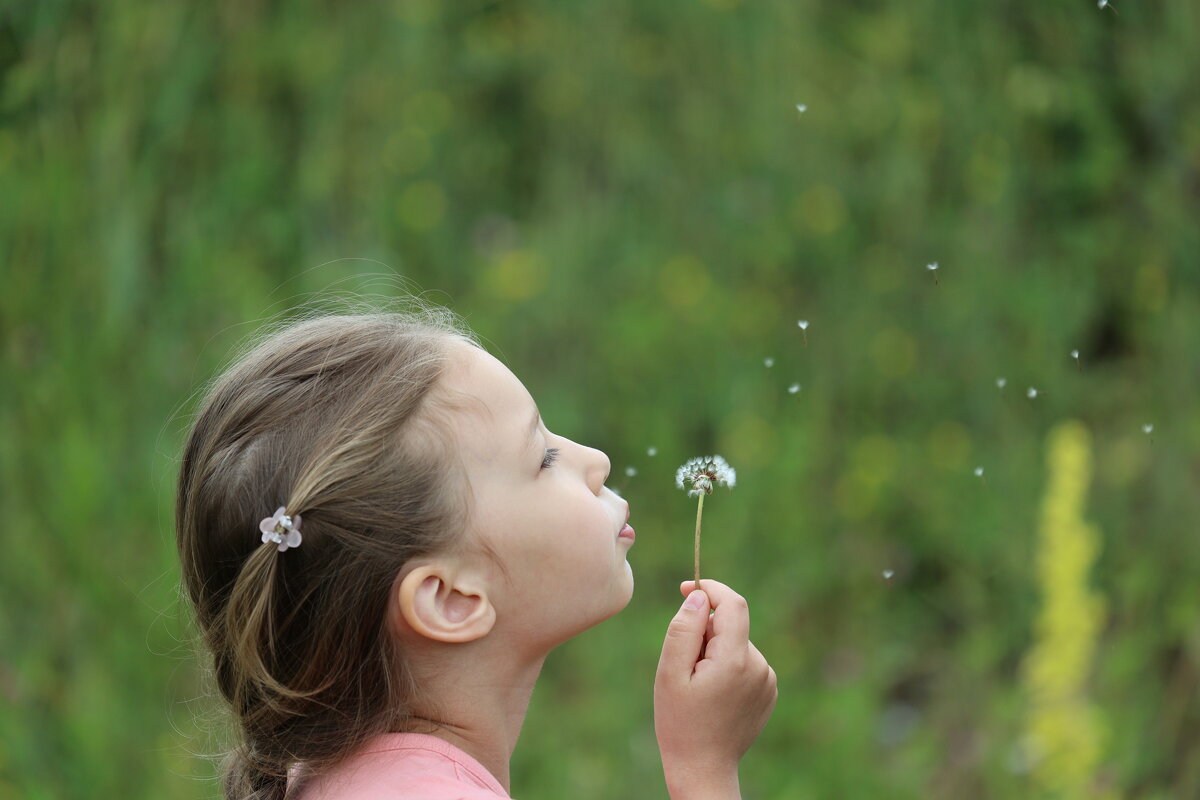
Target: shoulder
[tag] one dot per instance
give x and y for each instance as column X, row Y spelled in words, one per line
column 405, row 766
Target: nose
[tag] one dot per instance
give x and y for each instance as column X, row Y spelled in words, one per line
column 598, row 466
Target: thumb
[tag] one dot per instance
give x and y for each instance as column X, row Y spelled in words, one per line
column 685, row 636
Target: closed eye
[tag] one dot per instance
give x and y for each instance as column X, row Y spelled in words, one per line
column 550, row 457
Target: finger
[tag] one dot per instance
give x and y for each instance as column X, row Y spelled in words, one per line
column 684, row 639
column 730, row 627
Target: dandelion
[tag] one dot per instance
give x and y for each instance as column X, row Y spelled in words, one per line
column 803, row 324
column 631, row 471
column 698, row 476
column 888, row 574
column 1147, row 428
column 979, row 474
column 1075, row 355
column 933, row 268
column 1104, row 4
column 794, row 388
column 1031, row 392
column 768, row 362
column 801, row 107
column 652, row 451
column 1000, row 382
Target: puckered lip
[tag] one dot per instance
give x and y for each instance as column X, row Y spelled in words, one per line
column 626, row 520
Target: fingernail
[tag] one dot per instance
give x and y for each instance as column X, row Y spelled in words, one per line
column 696, row 599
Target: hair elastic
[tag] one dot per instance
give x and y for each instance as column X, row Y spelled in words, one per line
column 281, row 529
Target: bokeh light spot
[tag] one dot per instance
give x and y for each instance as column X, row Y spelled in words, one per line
column 949, row 445
column 894, row 352
column 684, row 281
column 422, row 205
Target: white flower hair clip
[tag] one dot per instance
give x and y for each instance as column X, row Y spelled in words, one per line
column 281, row 529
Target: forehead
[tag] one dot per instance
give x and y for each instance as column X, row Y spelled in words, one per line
column 492, row 408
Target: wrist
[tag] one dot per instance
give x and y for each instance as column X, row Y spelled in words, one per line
column 701, row 783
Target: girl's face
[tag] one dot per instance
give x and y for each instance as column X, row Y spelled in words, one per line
column 540, row 503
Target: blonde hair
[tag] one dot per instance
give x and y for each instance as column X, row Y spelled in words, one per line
column 336, row 419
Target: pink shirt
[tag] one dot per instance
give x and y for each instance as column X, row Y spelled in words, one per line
column 406, row 766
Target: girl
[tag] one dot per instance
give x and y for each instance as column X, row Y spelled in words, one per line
column 383, row 542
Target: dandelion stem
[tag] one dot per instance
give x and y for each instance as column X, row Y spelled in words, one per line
column 699, row 511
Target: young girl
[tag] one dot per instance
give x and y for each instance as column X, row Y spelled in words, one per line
column 383, row 542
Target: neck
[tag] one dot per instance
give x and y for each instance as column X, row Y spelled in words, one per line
column 478, row 704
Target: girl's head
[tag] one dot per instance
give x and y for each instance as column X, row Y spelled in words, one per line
column 438, row 514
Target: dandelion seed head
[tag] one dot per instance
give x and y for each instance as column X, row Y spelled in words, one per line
column 1000, row 382
column 631, row 471
column 801, row 107
column 698, row 475
column 768, row 362
column 887, row 574
column 979, row 472
column 652, row 451
column 794, row 388
column 803, row 324
column 1031, row 392
column 1075, row 354
column 1147, row 428
column 932, row 266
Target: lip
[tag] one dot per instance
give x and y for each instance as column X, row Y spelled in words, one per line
column 627, row 531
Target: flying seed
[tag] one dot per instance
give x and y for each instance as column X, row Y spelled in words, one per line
column 768, row 362
column 794, row 388
column 1001, row 381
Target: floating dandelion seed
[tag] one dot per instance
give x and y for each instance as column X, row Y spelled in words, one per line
column 1147, row 428
column 979, row 474
column 1104, row 4
column 804, row 329
column 1000, row 382
column 698, row 476
column 1075, row 355
column 794, row 388
column 653, row 451
column 933, row 268
column 801, row 107
column 1031, row 393
column 768, row 362
column 631, row 471
column 887, row 574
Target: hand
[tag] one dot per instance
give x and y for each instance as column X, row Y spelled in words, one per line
column 713, row 693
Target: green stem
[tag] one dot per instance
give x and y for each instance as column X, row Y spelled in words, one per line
column 699, row 510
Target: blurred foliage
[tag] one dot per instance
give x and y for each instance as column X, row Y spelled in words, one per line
column 1065, row 735
column 624, row 201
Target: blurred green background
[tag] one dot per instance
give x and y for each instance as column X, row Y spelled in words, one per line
column 625, row 203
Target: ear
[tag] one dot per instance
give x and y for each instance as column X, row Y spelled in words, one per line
column 439, row 605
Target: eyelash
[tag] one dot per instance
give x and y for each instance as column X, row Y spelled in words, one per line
column 550, row 457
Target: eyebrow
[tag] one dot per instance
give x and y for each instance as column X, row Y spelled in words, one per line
column 533, row 424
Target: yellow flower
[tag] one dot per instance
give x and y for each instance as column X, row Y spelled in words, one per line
column 1064, row 731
